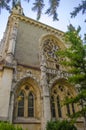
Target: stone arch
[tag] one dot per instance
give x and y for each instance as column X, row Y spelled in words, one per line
column 59, row 87
column 48, row 35
column 63, row 81
column 49, row 45
column 32, row 80
column 33, row 86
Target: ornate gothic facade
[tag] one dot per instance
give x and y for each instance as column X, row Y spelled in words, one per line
column 32, row 83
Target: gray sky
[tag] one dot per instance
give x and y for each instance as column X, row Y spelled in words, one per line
column 66, row 6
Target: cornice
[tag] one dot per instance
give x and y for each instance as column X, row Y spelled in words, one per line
column 30, row 66
column 39, row 24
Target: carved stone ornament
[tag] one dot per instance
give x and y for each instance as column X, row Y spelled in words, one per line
column 50, row 49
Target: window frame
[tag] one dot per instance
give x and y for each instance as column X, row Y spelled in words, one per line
column 19, row 106
column 31, row 107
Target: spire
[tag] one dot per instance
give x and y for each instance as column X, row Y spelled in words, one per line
column 17, row 9
column 18, row 3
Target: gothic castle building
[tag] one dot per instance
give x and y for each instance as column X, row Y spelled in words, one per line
column 32, row 83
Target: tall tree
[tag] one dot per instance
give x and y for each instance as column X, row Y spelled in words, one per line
column 39, row 5
column 81, row 7
column 4, row 4
column 74, row 58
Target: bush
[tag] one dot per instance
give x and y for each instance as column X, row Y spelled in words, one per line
column 60, row 125
column 8, row 126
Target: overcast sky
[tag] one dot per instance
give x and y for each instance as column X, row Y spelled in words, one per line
column 65, row 7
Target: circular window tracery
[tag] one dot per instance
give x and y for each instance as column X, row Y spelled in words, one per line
column 50, row 49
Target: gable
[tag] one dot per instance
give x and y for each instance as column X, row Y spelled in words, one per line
column 27, row 44
column 27, row 50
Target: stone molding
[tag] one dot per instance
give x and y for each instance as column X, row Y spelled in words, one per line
column 39, row 24
column 24, row 77
column 12, row 39
column 60, row 75
column 54, row 37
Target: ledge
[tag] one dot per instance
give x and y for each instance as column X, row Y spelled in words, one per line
column 23, row 120
column 3, row 118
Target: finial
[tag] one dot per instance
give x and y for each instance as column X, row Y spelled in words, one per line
column 17, row 7
column 18, row 2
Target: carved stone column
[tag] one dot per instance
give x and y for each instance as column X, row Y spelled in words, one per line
column 5, row 88
column 12, row 42
column 4, row 41
column 46, row 96
column 11, row 105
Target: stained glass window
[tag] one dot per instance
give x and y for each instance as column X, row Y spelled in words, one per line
column 21, row 104
column 53, row 107
column 68, row 109
column 59, row 107
column 30, row 105
column 73, row 109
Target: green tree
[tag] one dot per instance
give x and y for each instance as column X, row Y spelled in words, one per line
column 38, row 6
column 81, row 7
column 4, row 5
column 74, row 58
column 60, row 125
column 8, row 126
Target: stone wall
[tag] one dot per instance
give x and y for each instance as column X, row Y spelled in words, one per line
column 5, row 89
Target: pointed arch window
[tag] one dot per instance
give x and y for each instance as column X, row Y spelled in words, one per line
column 25, row 104
column 59, row 107
column 68, row 109
column 21, row 104
column 53, row 107
column 30, row 105
column 73, row 109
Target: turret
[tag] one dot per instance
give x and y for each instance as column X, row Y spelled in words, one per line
column 17, row 9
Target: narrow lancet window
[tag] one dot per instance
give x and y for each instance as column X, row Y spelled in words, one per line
column 68, row 109
column 31, row 105
column 53, row 108
column 21, row 104
column 59, row 107
column 73, row 109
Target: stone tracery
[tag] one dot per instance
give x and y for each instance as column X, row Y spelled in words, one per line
column 31, row 103
column 50, row 49
column 58, row 94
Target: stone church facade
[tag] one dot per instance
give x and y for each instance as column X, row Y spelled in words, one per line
column 32, row 83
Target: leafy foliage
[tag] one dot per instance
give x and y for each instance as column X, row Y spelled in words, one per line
column 52, row 10
column 60, row 125
column 80, row 7
column 8, row 126
column 4, row 4
column 38, row 6
column 75, row 58
column 80, row 99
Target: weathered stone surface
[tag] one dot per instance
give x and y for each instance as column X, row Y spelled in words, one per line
column 28, row 64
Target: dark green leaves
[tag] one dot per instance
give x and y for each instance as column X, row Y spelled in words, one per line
column 80, row 7
column 60, row 125
column 38, row 6
column 8, row 126
column 74, row 60
column 52, row 10
column 4, row 5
